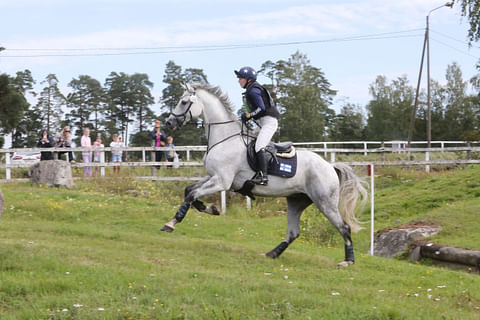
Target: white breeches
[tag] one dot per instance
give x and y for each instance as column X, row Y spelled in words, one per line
column 269, row 127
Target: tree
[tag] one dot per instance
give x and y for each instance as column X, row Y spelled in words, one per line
column 388, row 111
column 192, row 133
column 129, row 96
column 87, row 99
column 140, row 86
column 471, row 10
column 12, row 104
column 25, row 133
column 303, row 96
column 349, row 124
column 50, row 103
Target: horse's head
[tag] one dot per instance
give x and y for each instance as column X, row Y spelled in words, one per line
column 189, row 107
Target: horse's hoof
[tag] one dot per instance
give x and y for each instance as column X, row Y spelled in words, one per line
column 344, row 264
column 271, row 255
column 167, row 228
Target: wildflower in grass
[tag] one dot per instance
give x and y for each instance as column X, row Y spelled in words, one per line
column 101, row 309
column 335, row 293
column 77, row 305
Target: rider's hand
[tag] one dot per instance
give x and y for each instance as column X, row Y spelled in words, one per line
column 245, row 117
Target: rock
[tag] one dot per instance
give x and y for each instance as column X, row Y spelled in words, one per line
column 1, row 203
column 56, row 173
column 392, row 242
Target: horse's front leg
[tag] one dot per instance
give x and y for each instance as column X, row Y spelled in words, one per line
column 206, row 186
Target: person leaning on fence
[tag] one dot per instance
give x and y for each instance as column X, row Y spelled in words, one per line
column 86, row 142
column 171, row 154
column 64, row 140
column 98, row 156
column 159, row 139
column 45, row 141
column 116, row 154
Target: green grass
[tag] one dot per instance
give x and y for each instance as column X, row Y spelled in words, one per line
column 96, row 252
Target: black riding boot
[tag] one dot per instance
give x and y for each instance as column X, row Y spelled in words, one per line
column 261, row 177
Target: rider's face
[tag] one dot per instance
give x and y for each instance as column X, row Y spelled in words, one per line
column 242, row 82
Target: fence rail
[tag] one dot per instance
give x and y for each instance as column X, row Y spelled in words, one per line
column 461, row 146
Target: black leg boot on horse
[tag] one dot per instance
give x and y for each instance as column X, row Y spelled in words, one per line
column 261, row 177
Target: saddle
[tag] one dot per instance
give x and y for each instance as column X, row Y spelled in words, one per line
column 282, row 158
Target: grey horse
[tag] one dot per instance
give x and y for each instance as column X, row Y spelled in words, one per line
column 334, row 189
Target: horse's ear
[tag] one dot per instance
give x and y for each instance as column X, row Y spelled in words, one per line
column 184, row 85
column 189, row 88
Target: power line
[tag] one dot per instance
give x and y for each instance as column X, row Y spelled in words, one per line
column 453, row 48
column 186, row 49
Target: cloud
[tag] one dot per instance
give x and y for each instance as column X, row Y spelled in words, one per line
column 302, row 22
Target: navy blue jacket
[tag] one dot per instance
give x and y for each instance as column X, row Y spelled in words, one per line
column 260, row 102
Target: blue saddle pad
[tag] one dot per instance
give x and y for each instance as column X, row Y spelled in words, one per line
column 277, row 166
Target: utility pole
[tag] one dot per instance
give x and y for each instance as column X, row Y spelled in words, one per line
column 426, row 47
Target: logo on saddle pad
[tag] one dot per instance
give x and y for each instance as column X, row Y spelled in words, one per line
column 285, row 167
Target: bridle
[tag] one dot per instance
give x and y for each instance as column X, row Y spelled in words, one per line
column 183, row 117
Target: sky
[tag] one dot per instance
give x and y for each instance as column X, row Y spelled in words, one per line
column 352, row 42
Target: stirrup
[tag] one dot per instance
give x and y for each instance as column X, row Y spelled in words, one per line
column 260, row 179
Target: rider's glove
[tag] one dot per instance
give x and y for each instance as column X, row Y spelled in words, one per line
column 245, row 117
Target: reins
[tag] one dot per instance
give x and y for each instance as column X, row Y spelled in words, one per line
column 241, row 134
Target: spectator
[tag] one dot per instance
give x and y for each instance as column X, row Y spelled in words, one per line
column 45, row 141
column 158, row 140
column 86, row 142
column 116, row 154
column 64, row 140
column 98, row 156
column 171, row 154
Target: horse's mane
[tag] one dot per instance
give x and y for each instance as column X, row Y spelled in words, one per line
column 217, row 92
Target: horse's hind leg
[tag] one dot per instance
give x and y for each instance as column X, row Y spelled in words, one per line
column 329, row 207
column 296, row 204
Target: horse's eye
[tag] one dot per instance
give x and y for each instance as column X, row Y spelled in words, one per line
column 184, row 102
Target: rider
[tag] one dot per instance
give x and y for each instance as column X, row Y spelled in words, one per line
column 261, row 107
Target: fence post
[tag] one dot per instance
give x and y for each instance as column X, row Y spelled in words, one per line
column 365, row 148
column 325, row 150
column 249, row 203
column 383, row 150
column 427, row 158
column 469, row 151
column 224, row 201
column 7, row 170
column 332, row 157
column 372, row 210
column 102, row 160
column 188, row 155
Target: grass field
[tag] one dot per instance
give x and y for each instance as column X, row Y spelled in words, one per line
column 96, row 252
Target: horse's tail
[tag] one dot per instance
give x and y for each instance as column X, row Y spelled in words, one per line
column 353, row 195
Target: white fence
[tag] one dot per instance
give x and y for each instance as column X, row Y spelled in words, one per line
column 327, row 148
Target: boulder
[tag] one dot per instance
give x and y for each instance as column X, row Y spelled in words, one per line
column 1, row 203
column 394, row 241
column 56, row 173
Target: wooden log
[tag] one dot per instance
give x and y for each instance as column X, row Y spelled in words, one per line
column 451, row 254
